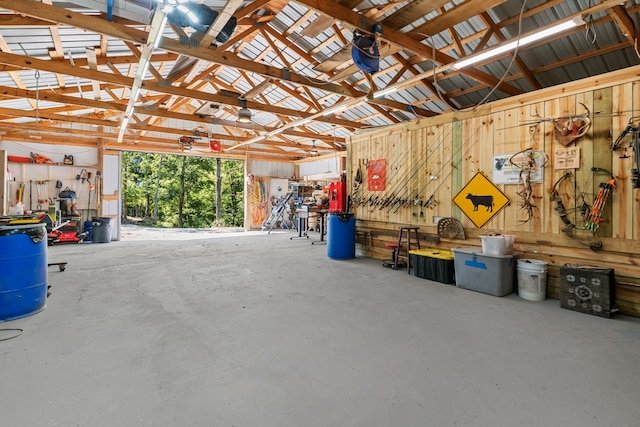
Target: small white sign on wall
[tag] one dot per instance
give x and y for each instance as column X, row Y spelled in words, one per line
column 505, row 172
column 567, row 158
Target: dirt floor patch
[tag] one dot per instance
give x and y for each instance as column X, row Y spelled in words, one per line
column 139, row 232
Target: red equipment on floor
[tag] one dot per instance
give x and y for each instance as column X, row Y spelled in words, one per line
column 65, row 233
column 338, row 196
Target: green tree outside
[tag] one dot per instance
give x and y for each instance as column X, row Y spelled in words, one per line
column 185, row 188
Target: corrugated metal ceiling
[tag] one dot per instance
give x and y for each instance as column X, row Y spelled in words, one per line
column 285, row 23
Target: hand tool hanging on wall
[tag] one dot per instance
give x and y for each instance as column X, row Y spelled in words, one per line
column 39, row 192
column 19, row 193
column 91, row 187
column 98, row 191
column 82, row 175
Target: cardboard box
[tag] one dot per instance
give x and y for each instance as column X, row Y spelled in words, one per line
column 489, row 274
column 433, row 264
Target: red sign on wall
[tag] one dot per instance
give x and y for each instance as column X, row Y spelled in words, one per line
column 376, row 173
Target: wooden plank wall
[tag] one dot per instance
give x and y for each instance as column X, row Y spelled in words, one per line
column 430, row 160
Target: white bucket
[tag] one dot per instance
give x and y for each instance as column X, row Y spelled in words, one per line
column 312, row 222
column 532, row 279
column 501, row 244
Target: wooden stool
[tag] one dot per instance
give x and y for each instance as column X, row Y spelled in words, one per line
column 404, row 241
column 406, row 231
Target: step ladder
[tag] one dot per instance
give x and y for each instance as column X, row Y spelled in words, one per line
column 277, row 213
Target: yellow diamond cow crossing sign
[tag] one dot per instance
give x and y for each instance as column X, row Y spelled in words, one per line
column 480, row 200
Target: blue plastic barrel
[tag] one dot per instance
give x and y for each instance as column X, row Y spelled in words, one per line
column 88, row 231
column 23, row 270
column 341, row 236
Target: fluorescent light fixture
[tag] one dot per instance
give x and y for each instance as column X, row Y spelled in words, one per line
column 156, row 42
column 525, row 40
column 256, row 139
column 275, row 132
column 135, row 91
column 335, row 109
column 158, row 21
column 384, row 92
column 143, row 65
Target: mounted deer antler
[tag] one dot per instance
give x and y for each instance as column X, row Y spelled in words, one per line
column 569, row 128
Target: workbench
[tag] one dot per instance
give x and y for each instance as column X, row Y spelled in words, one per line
column 322, row 213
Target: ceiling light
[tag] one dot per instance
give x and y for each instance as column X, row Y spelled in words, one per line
column 522, row 41
column 335, row 109
column 244, row 114
column 384, row 92
column 256, row 139
column 158, row 22
column 313, row 149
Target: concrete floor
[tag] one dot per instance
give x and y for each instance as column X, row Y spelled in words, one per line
column 260, row 330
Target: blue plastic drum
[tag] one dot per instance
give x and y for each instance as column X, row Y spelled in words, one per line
column 341, row 236
column 87, row 230
column 23, row 270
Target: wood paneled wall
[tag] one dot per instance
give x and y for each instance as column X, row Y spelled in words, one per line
column 434, row 158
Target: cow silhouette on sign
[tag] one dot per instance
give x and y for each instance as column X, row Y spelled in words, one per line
column 486, row 201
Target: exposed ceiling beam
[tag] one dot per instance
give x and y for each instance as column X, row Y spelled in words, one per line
column 55, row 67
column 98, row 25
column 401, row 40
column 625, row 24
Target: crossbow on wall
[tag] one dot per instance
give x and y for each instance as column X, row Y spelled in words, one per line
column 634, row 145
column 586, row 216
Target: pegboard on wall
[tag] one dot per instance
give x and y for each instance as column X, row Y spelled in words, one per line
column 39, row 183
column 36, row 171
